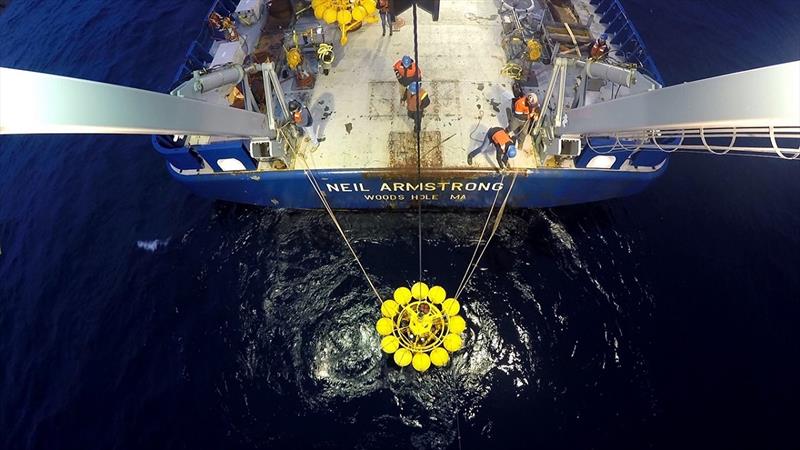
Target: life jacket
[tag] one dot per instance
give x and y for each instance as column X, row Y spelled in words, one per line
column 297, row 116
column 521, row 107
column 404, row 75
column 599, row 48
column 501, row 138
column 411, row 101
column 384, row 5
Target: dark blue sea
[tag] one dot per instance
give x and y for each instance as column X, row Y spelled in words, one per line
column 134, row 315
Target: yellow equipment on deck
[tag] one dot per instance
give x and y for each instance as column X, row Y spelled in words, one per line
column 350, row 15
column 421, row 326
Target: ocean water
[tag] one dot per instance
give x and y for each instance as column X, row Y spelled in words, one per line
column 136, row 315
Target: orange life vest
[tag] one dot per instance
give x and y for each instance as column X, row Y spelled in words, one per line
column 297, row 117
column 523, row 110
column 501, row 138
column 411, row 101
column 403, row 73
column 521, row 107
column 599, row 48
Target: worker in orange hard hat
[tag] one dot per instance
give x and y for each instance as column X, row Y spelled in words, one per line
column 416, row 101
column 526, row 111
column 503, row 144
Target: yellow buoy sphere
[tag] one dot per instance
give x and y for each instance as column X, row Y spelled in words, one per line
column 389, row 308
column 450, row 307
column 369, row 6
column 319, row 12
column 419, row 290
column 344, row 17
column 452, row 342
column 421, row 362
column 420, row 326
column 402, row 295
column 439, row 357
column 359, row 13
column 390, row 344
column 402, row 357
column 384, row 326
column 437, row 294
column 329, row 16
column 457, row 325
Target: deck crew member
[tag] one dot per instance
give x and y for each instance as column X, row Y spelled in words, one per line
column 599, row 48
column 384, row 7
column 503, row 144
column 302, row 118
column 406, row 71
column 412, row 93
column 525, row 113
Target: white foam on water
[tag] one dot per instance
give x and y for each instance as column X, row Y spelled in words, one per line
column 152, row 246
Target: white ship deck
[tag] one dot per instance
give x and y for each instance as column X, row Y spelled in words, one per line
column 357, row 107
column 460, row 57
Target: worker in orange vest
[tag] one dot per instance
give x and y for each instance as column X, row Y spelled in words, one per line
column 406, row 71
column 526, row 111
column 503, row 144
column 303, row 119
column 416, row 101
column 599, row 48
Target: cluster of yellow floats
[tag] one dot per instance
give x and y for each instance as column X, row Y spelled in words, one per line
column 349, row 14
column 421, row 326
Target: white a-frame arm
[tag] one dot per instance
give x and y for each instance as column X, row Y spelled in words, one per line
column 37, row 103
column 765, row 97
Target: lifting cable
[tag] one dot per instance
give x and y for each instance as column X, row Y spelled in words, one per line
column 418, row 132
column 315, row 184
column 474, row 265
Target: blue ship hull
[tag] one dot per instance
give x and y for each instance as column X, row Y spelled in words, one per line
column 385, row 189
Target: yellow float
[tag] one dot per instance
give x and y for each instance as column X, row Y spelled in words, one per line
column 350, row 15
column 421, row 326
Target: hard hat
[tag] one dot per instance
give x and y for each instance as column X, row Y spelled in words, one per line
column 413, row 88
column 407, row 61
column 512, row 151
column 533, row 99
column 294, row 105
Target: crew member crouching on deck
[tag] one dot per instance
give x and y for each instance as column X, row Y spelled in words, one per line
column 503, row 144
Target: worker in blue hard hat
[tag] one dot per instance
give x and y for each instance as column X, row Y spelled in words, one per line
column 503, row 143
column 406, row 71
column 599, row 48
column 416, row 101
